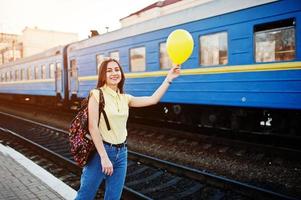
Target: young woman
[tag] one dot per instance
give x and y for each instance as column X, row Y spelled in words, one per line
column 110, row 160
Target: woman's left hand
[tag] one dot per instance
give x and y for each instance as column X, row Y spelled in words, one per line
column 173, row 73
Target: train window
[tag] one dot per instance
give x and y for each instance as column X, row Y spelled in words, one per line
column 43, row 71
column 73, row 68
column 16, row 75
column 137, row 59
column 165, row 62
column 11, row 74
column 114, row 55
column 7, row 76
column 99, row 60
column 29, row 74
column 275, row 41
column 23, row 74
column 19, row 75
column 36, row 72
column 51, row 70
column 214, row 49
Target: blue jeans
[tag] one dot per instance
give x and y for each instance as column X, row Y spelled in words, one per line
column 92, row 175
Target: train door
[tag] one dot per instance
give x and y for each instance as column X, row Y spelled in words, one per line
column 58, row 79
column 73, row 78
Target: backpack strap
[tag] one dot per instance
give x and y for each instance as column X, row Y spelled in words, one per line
column 101, row 109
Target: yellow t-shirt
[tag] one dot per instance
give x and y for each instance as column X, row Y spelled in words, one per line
column 117, row 110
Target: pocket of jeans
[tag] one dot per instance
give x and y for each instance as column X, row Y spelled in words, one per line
column 111, row 151
column 123, row 153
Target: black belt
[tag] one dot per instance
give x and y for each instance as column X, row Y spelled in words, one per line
column 124, row 144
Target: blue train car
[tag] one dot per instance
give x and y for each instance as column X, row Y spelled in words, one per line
column 37, row 79
column 244, row 73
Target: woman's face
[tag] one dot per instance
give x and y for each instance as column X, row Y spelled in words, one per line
column 113, row 74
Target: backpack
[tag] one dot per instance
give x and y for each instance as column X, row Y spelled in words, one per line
column 81, row 143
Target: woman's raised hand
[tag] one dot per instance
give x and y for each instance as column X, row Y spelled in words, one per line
column 173, row 73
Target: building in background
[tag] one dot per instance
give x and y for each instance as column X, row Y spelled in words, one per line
column 10, row 47
column 159, row 9
column 32, row 41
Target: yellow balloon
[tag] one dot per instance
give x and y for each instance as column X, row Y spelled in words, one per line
column 179, row 46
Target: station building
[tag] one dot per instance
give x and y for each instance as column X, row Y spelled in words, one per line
column 159, row 9
column 32, row 41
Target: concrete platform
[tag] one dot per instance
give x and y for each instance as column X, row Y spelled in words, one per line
column 23, row 179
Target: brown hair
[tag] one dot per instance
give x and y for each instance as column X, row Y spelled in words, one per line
column 103, row 71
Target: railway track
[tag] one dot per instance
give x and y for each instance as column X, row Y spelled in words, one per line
column 148, row 177
column 264, row 166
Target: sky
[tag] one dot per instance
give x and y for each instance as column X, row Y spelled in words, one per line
column 76, row 16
